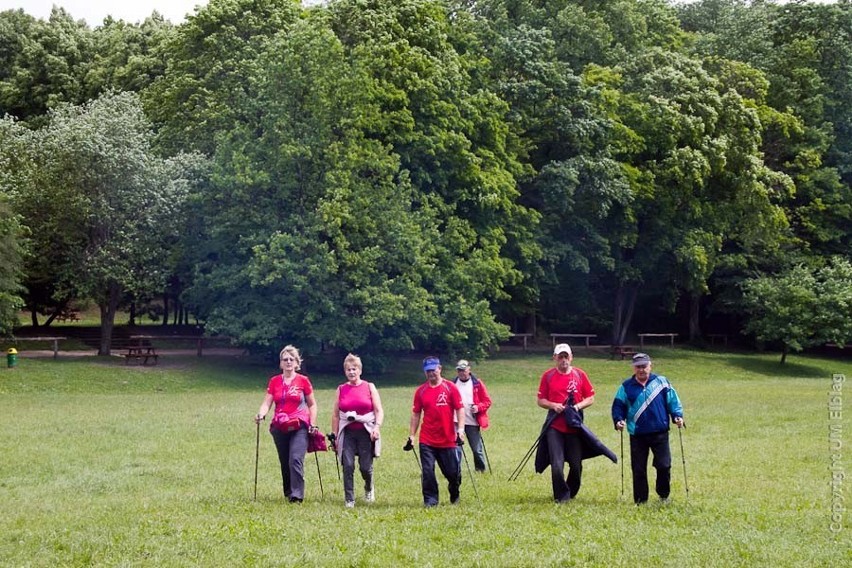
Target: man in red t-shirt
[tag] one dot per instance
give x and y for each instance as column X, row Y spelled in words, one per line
column 440, row 404
column 559, row 387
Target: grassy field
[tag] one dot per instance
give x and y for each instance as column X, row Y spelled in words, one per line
column 109, row 465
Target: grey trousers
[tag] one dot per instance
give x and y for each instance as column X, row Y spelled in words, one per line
column 356, row 442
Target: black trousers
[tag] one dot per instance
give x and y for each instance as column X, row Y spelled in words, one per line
column 565, row 448
column 640, row 446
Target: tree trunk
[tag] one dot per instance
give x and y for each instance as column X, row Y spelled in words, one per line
column 784, row 352
column 132, row 314
column 695, row 317
column 165, row 308
column 34, row 317
column 625, row 302
column 108, row 309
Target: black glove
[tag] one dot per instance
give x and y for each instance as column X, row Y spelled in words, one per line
column 459, row 441
column 409, row 445
column 332, row 439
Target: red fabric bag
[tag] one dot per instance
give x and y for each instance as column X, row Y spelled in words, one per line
column 316, row 442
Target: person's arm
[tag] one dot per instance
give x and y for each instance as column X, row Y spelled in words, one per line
column 312, row 410
column 335, row 413
column 377, row 410
column 674, row 407
column 264, row 408
column 549, row 405
column 619, row 409
column 484, row 400
column 460, row 422
column 585, row 403
column 413, row 425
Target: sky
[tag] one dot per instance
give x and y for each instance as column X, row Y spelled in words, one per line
column 94, row 11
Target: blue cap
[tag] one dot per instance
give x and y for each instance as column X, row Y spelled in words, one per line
column 431, row 363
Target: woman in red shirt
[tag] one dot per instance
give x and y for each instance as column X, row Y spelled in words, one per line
column 295, row 416
column 356, row 418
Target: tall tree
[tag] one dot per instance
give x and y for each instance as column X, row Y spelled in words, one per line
column 89, row 180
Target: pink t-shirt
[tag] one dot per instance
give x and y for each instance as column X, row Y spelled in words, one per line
column 291, row 399
column 438, row 405
column 555, row 386
column 355, row 398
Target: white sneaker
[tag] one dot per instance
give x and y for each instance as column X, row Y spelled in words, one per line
column 350, row 504
column 370, row 495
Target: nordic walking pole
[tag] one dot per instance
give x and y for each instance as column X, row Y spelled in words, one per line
column 622, row 462
column 484, row 449
column 333, row 440
column 683, row 459
column 409, row 446
column 525, row 459
column 256, row 457
column 319, row 474
column 460, row 444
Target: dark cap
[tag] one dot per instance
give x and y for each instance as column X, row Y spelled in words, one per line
column 641, row 359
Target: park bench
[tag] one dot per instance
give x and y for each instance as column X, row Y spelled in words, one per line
column 642, row 337
column 141, row 355
column 53, row 339
column 523, row 336
column 586, row 336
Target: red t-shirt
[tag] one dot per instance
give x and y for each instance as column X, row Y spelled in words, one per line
column 358, row 399
column 291, row 400
column 555, row 386
column 438, row 405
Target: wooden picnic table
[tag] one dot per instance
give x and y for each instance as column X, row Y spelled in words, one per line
column 198, row 339
column 723, row 337
column 587, row 336
column 141, row 355
column 54, row 339
column 642, row 337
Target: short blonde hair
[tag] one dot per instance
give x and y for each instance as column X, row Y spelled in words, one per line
column 353, row 360
column 292, row 351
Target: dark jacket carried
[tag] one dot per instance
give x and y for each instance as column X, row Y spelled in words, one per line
column 592, row 446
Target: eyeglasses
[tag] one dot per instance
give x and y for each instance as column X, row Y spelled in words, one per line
column 287, row 359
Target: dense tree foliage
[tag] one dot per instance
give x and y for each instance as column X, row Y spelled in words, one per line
column 100, row 207
column 407, row 174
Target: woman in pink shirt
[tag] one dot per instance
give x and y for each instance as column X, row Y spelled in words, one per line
column 356, row 418
column 295, row 416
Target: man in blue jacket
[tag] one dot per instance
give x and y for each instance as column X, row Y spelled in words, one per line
column 644, row 403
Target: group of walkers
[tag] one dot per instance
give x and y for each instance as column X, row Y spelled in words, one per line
column 452, row 413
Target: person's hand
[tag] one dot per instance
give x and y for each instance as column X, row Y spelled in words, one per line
column 312, row 429
column 679, row 421
column 474, row 408
column 374, row 435
column 619, row 425
column 558, row 408
column 460, row 439
column 332, row 440
column 258, row 418
column 409, row 445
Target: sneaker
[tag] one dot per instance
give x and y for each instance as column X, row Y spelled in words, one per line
column 350, row 504
column 295, row 500
column 455, row 498
column 664, row 500
column 370, row 495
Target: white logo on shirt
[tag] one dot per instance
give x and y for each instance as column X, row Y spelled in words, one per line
column 442, row 400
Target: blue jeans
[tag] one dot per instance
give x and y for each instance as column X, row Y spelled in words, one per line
column 448, row 461
column 292, row 447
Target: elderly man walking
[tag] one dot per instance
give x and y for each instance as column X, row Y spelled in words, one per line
column 643, row 404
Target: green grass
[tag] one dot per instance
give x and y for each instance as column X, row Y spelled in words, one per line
column 110, row 465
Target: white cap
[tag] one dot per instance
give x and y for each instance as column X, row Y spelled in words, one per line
column 562, row 348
